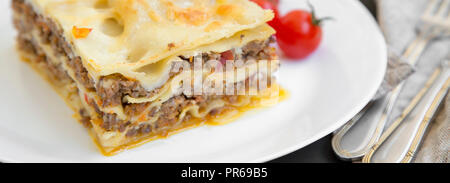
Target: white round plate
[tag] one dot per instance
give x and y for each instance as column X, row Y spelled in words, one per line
column 326, row 90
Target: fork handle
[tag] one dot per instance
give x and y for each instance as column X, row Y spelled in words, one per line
column 362, row 133
column 356, row 137
column 400, row 142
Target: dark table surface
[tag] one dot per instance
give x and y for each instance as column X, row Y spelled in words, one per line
column 319, row 151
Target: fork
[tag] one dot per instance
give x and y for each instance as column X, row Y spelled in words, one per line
column 401, row 140
column 364, row 130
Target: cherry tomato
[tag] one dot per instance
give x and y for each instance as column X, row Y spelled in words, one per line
column 274, row 2
column 270, row 5
column 300, row 33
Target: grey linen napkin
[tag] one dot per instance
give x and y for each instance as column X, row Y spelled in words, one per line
column 398, row 20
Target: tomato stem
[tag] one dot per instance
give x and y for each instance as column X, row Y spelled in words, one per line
column 317, row 21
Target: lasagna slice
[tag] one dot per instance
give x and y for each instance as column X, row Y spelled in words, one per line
column 136, row 70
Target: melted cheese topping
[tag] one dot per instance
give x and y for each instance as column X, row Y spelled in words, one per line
column 129, row 35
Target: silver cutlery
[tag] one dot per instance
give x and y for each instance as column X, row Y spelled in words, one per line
column 401, row 140
column 357, row 137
